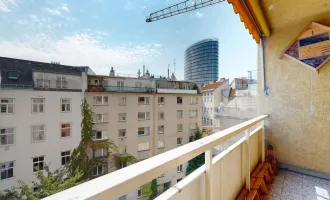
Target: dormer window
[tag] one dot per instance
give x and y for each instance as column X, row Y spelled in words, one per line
column 13, row 75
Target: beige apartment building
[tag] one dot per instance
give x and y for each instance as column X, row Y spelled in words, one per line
column 144, row 117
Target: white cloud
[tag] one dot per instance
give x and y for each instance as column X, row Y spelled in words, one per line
column 158, row 45
column 198, row 14
column 65, row 8
column 54, row 12
column 79, row 49
column 6, row 4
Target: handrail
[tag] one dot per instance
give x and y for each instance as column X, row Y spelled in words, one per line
column 123, row 181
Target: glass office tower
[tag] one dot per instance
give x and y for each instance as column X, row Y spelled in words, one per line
column 201, row 61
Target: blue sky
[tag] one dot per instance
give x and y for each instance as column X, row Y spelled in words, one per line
column 104, row 33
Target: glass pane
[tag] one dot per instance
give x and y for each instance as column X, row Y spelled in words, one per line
column 10, row 139
column 10, row 173
column 3, row 140
column 41, row 108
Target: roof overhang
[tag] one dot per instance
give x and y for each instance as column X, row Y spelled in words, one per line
column 252, row 16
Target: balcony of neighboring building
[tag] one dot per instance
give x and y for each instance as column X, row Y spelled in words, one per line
column 176, row 87
column 59, row 82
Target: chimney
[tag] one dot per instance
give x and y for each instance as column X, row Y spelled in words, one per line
column 112, row 72
column 168, row 71
column 144, row 70
column 139, row 73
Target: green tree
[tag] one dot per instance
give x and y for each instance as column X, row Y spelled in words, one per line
column 82, row 158
column 154, row 189
column 47, row 183
column 199, row 160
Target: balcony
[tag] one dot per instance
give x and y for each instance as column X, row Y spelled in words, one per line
column 222, row 176
column 52, row 84
column 128, row 89
column 95, row 88
column 176, row 91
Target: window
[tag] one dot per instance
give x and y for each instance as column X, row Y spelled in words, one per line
column 122, row 117
column 122, row 133
column 100, row 100
column 61, row 82
column 143, row 100
column 65, row 105
column 38, row 163
column 193, row 100
column 204, row 121
column 161, row 129
column 43, row 81
column 143, row 115
column 65, row 157
column 166, row 185
column 38, row 105
column 66, row 130
column 143, row 146
column 139, row 194
column 120, row 86
column 103, row 152
column 179, row 140
column 179, row 168
column 7, row 106
column 179, row 100
column 211, row 122
column 99, row 170
column 161, row 100
column 38, row 133
column 144, row 131
column 161, row 144
column 193, row 126
column 122, row 101
column 7, row 136
column 178, row 180
column 161, row 115
column 207, row 121
column 99, row 135
column 193, row 113
column 122, row 165
column 122, row 197
column 180, row 114
column 179, row 127
column 6, row 170
column 99, row 118
column 13, row 75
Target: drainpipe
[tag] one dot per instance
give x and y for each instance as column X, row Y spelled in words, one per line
column 262, row 59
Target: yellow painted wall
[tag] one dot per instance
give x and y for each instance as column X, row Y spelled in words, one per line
column 299, row 100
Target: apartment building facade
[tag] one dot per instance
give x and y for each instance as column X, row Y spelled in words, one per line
column 40, row 117
column 145, row 117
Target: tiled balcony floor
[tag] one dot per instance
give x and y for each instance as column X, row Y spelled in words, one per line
column 289, row 185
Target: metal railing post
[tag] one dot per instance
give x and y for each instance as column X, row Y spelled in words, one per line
column 247, row 158
column 208, row 175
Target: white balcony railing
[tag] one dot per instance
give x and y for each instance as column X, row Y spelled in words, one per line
column 222, row 177
column 176, row 91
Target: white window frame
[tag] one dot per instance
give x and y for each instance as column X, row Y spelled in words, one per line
column 159, row 115
column 60, row 82
column 7, row 134
column 120, row 86
column 38, row 162
column 65, row 129
column 103, row 135
column 179, row 168
column 5, row 167
column 104, row 100
column 159, row 129
column 122, row 117
column 104, row 152
column 161, row 102
column 7, row 105
column 193, row 113
column 177, row 114
column 194, row 100
column 38, row 132
column 161, row 144
column 122, row 101
column 146, row 115
column 145, row 132
column 44, row 79
column 145, row 102
column 104, row 118
column 67, row 106
column 145, row 146
column 38, row 105
column 177, row 141
column 98, row 173
column 139, row 193
column 177, row 98
column 121, row 130
column 65, row 155
column 178, row 127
